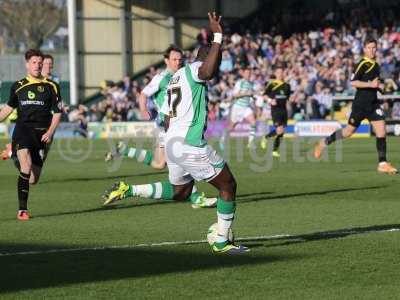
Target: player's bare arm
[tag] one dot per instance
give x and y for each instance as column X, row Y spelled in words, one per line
column 207, row 69
column 374, row 84
column 166, row 123
column 143, row 107
column 244, row 94
column 47, row 137
column 5, row 112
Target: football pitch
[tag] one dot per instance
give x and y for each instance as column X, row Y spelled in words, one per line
column 317, row 230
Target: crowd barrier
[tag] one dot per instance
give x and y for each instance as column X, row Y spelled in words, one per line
column 215, row 129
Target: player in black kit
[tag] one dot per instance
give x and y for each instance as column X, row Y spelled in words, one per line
column 39, row 106
column 365, row 106
column 278, row 93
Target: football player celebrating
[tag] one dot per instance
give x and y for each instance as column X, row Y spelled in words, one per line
column 189, row 156
column 157, row 88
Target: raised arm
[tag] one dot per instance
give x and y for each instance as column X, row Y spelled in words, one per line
column 207, row 69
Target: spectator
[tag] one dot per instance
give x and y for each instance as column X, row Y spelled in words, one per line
column 322, row 101
column 79, row 115
column 319, row 62
column 226, row 62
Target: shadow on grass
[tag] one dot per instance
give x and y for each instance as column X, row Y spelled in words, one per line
column 253, row 194
column 108, row 208
column 116, row 177
column 23, row 272
column 370, row 170
column 318, row 193
column 102, row 209
column 320, row 235
column 243, row 198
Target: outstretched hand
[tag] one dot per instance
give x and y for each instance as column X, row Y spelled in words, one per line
column 46, row 138
column 211, row 61
column 214, row 22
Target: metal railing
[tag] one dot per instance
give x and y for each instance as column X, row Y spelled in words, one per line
column 351, row 98
column 380, row 97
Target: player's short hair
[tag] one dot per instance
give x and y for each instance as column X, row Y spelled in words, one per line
column 171, row 48
column 247, row 67
column 370, row 39
column 48, row 56
column 279, row 66
column 33, row 52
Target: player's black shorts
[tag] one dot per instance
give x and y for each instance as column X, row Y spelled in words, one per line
column 279, row 117
column 29, row 137
column 374, row 114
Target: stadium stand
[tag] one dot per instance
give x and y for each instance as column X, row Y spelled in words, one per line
column 318, row 62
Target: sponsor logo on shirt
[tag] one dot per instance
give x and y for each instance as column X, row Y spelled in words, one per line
column 32, row 102
column 174, row 80
column 31, row 95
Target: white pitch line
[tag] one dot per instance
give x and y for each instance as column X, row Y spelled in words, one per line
column 59, row 250
column 160, row 244
column 194, row 242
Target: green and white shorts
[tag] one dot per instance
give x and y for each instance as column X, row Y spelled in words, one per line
column 160, row 135
column 187, row 163
column 239, row 113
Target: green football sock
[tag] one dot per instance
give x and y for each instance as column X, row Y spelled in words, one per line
column 226, row 213
column 158, row 190
column 143, row 156
column 252, row 134
column 195, row 195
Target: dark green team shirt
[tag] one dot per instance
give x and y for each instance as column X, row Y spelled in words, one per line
column 35, row 100
column 366, row 70
column 280, row 91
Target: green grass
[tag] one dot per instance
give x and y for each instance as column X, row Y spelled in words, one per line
column 335, row 212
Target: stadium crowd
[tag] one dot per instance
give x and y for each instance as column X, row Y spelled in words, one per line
column 318, row 65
